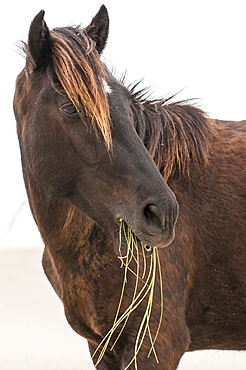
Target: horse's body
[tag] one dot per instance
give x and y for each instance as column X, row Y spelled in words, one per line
column 78, row 189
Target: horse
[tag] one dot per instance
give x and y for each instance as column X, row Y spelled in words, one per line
column 101, row 161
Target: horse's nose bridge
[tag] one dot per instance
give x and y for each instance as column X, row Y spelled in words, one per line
column 149, row 204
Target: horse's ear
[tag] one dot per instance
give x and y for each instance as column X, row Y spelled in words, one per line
column 39, row 41
column 99, row 27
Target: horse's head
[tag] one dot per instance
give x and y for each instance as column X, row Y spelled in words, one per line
column 77, row 134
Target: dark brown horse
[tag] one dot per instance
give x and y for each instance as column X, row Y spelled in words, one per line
column 83, row 137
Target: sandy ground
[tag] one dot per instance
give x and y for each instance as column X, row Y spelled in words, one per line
column 34, row 334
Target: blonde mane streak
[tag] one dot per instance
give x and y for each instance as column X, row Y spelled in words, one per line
column 81, row 75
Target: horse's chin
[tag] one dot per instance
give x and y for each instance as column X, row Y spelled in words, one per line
column 160, row 241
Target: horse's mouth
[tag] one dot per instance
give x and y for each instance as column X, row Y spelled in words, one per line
column 149, row 240
column 127, row 236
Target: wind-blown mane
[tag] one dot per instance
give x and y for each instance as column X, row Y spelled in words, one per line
column 175, row 134
column 82, row 75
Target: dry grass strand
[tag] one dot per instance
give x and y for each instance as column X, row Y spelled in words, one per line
column 140, row 294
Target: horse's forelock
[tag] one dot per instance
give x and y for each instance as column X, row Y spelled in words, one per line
column 82, row 76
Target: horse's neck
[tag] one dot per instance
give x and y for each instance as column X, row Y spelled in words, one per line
column 175, row 135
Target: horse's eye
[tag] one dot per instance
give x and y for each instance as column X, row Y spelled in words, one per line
column 69, row 108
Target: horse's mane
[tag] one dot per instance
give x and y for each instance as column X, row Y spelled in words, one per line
column 175, row 134
column 82, row 75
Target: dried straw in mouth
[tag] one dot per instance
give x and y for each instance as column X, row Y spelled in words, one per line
column 147, row 278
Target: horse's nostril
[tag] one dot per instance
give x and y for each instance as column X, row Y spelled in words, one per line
column 154, row 216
